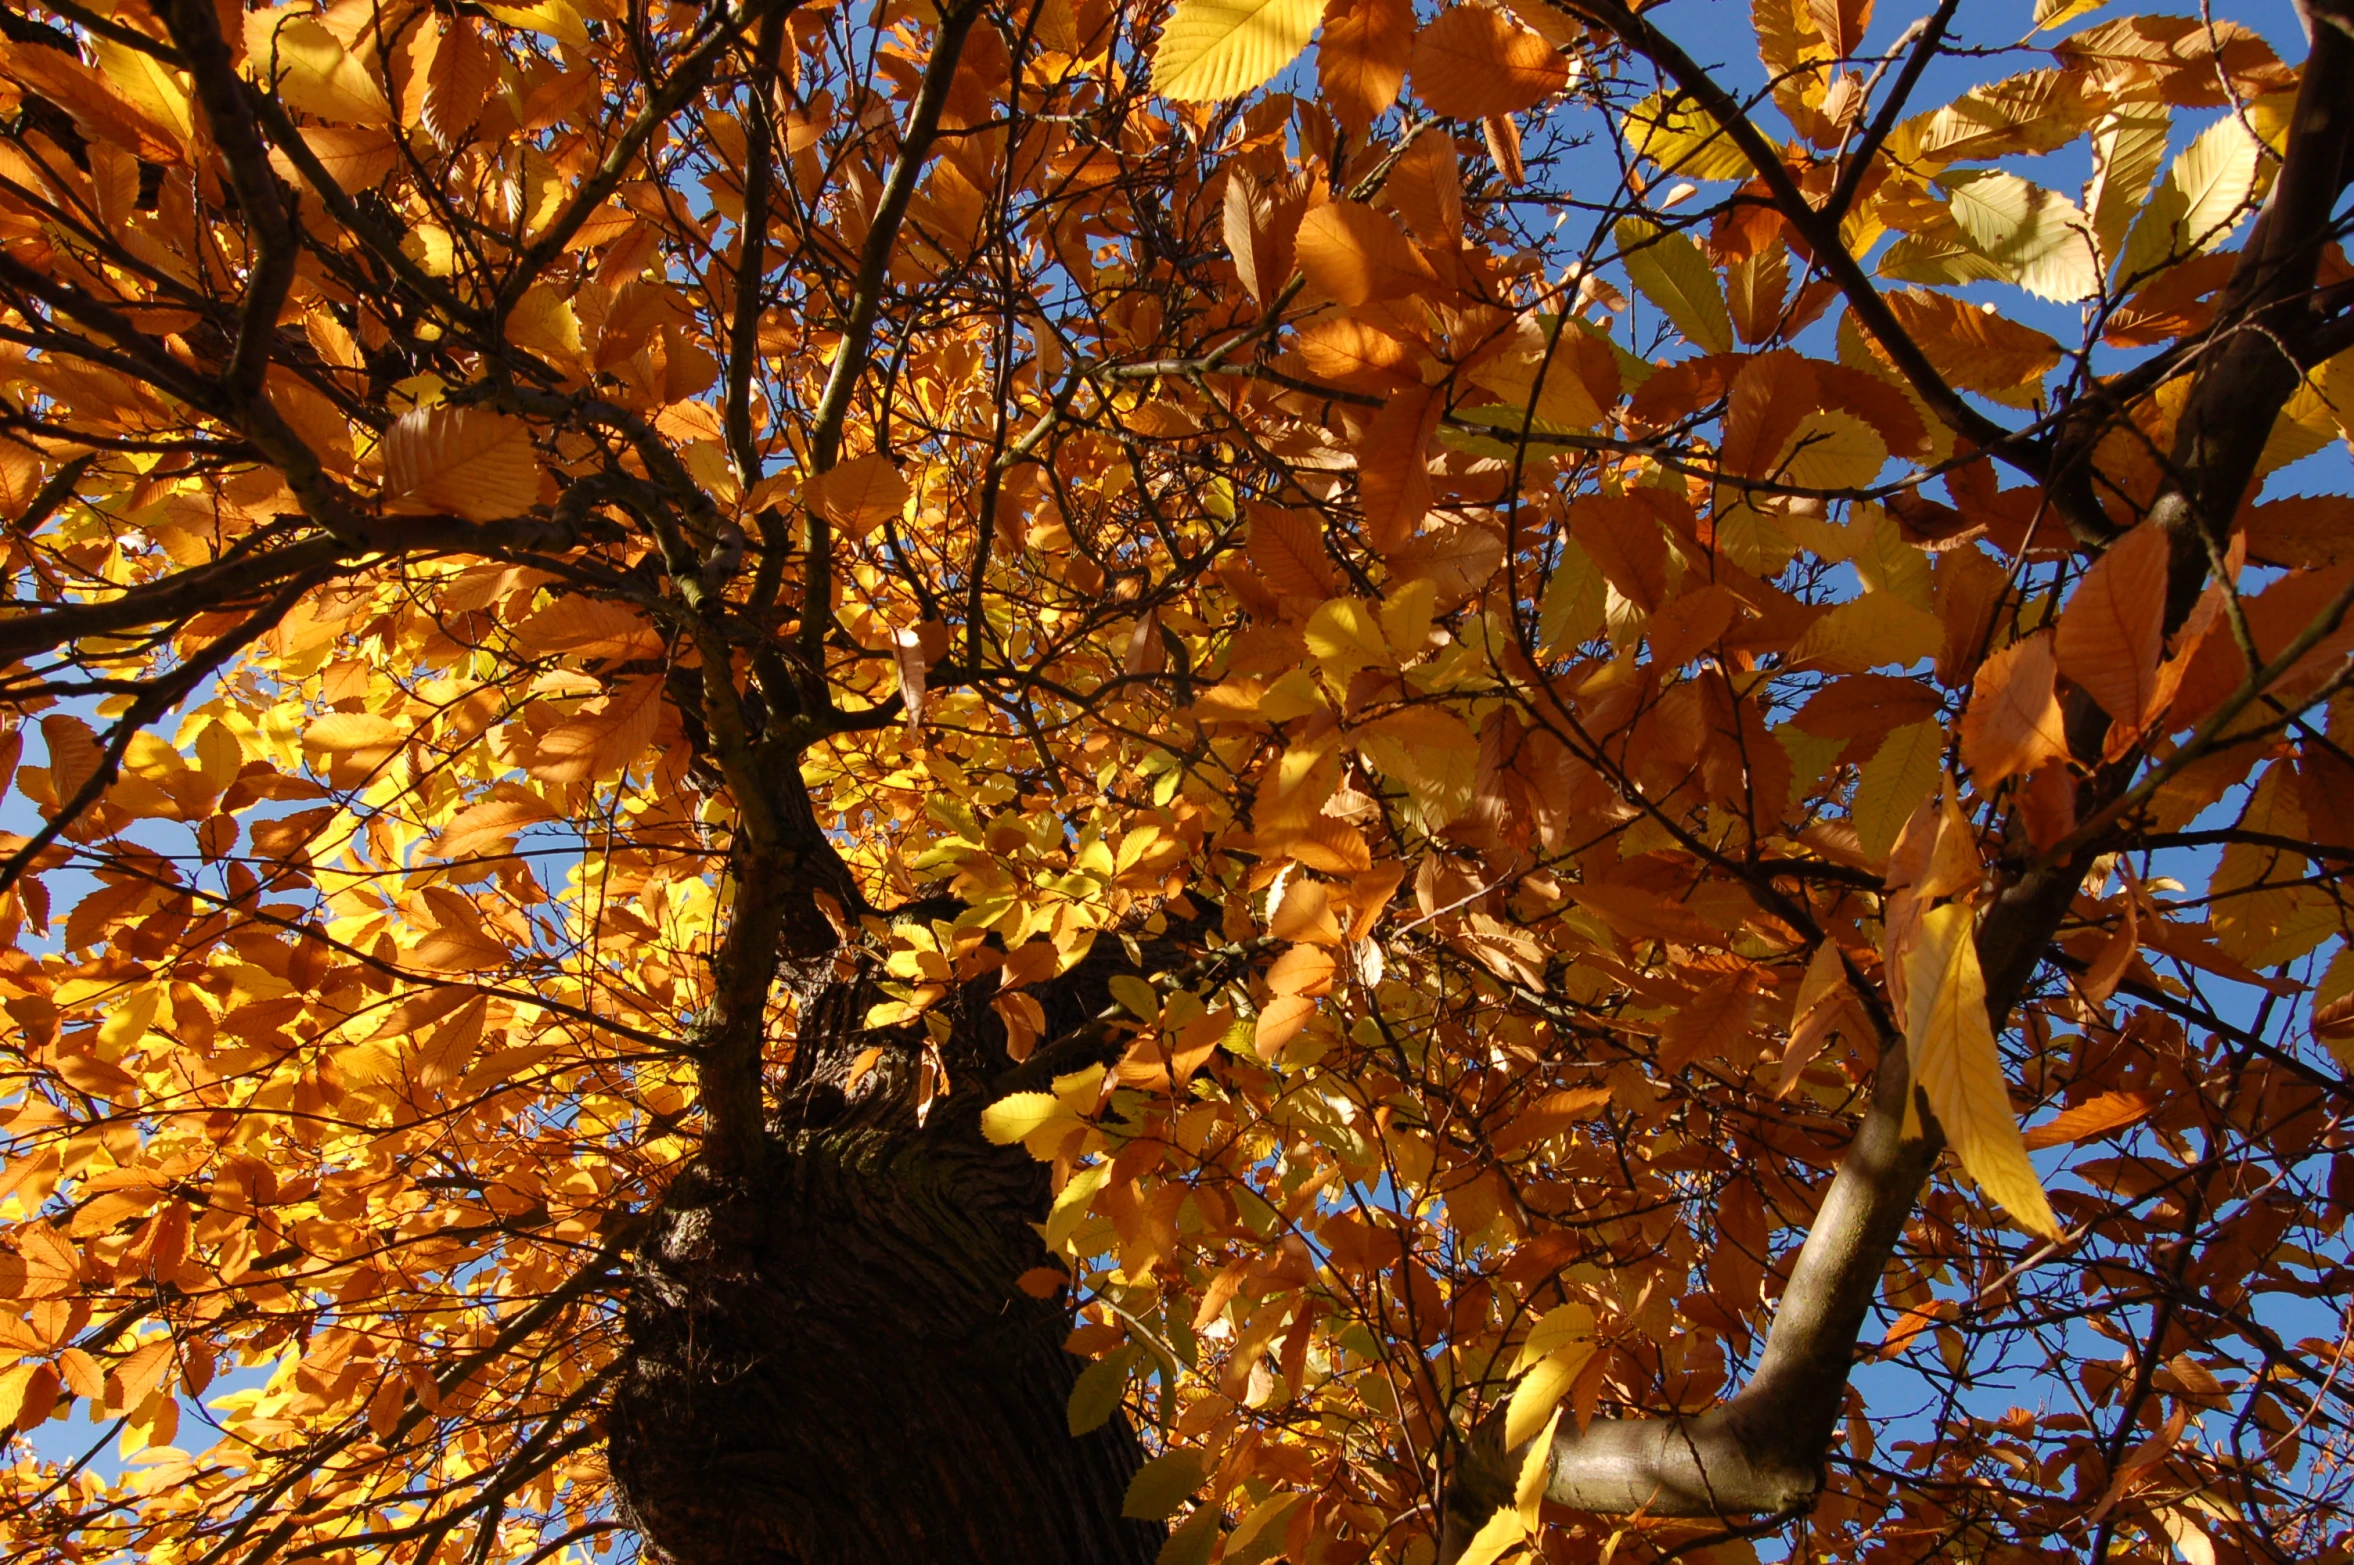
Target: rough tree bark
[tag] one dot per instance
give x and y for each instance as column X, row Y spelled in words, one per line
column 830, row 1358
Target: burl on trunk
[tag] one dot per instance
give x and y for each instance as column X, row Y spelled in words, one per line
column 830, row 1360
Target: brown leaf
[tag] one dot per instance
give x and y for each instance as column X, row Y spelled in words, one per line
column 2111, row 632
column 1355, row 255
column 2012, row 724
column 2093, row 1117
column 469, row 462
column 1361, row 58
column 1621, row 534
column 1472, row 62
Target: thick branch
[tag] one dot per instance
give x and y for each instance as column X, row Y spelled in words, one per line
column 1762, row 1452
column 196, row 28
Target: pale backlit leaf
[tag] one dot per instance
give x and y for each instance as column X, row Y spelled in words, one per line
column 1213, row 49
column 1955, row 1061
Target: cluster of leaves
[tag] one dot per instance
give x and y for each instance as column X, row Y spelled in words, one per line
column 474, row 473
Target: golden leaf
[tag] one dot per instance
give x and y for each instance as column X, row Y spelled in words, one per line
column 1956, row 1064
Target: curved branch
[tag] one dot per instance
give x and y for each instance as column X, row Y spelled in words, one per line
column 1762, row 1452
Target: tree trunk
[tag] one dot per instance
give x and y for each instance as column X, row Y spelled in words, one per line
column 830, row 1360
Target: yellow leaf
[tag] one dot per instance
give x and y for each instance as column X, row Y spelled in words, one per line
column 1496, row 1535
column 1432, row 752
column 1868, row 631
column 1834, row 450
column 1214, row 49
column 1955, row 1061
column 2126, row 147
column 1163, row 1484
column 1345, row 636
column 1900, row 774
column 311, row 72
column 1536, row 1470
column 1561, row 1327
column 2055, row 13
column 469, row 462
column 1672, row 273
column 1071, row 1206
column 2218, row 180
column 2037, row 236
column 1018, row 1115
column 354, row 733
column 1541, row 1390
column 1406, row 616
column 551, row 17
column 156, row 91
column 1682, row 139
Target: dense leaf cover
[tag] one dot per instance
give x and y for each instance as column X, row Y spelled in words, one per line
column 1606, row 603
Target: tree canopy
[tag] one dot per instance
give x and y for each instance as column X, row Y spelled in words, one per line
column 1605, row 749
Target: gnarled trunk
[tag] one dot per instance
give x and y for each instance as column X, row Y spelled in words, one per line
column 830, row 1360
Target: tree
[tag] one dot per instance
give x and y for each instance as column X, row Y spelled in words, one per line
column 1020, row 780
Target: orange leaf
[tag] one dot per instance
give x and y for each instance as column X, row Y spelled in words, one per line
column 859, row 493
column 2112, row 631
column 1712, row 1022
column 1302, row 970
column 1304, row 914
column 2013, row 721
column 1287, row 551
column 606, row 737
column 1351, row 353
column 1361, row 59
column 137, row 1376
column 1621, row 534
column 1357, row 255
column 1549, row 1116
column 2110, row 1111
column 74, row 754
column 1975, row 349
column 1473, row 62
column 1770, row 395
column 469, row 462
column 1281, row 1020
column 1393, row 467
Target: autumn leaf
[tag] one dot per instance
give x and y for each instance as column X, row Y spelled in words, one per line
column 1672, row 273
column 469, row 462
column 1356, row 255
column 1472, row 62
column 1293, row 685
column 2012, row 723
column 1217, row 48
column 861, row 492
column 491, row 823
column 2093, row 1117
column 1959, row 1070
column 1361, row 58
column 2037, row 237
column 2111, row 633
